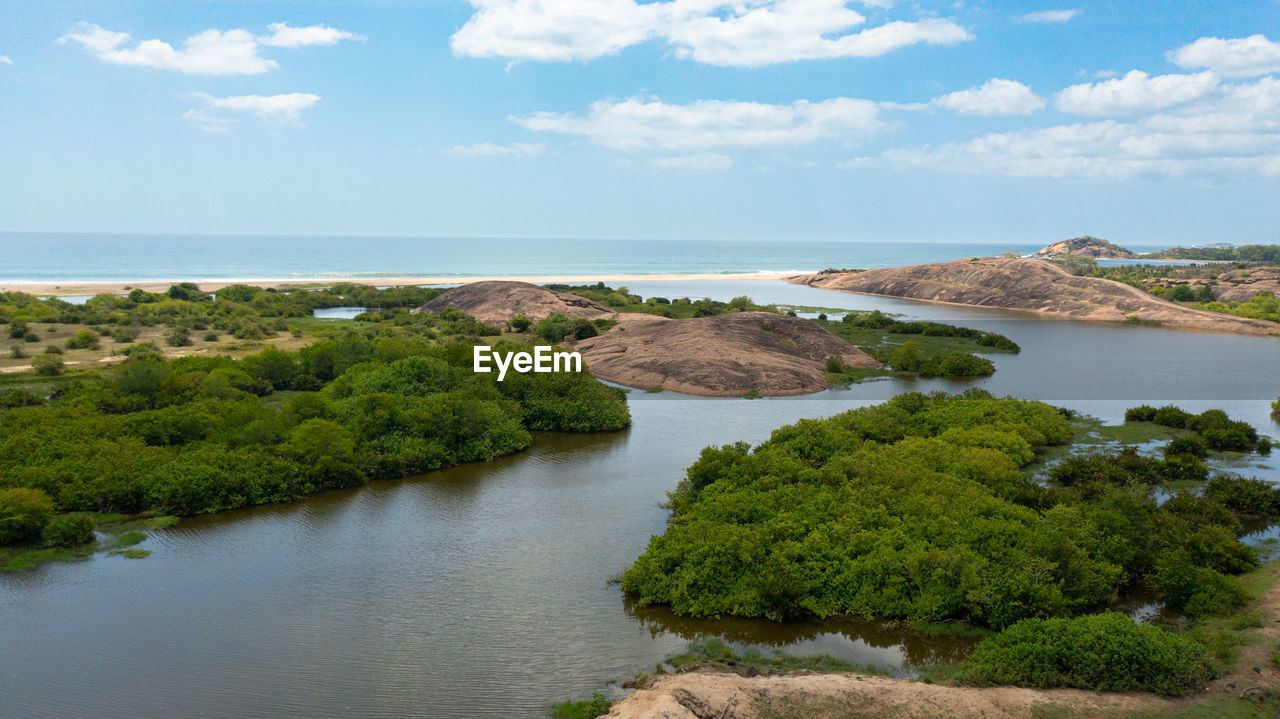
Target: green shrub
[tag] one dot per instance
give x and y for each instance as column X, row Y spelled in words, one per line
column 1101, row 652
column 16, row 352
column 47, row 364
column 1144, row 413
column 23, row 514
column 597, row 706
column 69, row 530
column 83, row 340
column 835, row 365
column 1248, row 498
column 907, row 358
column 178, row 338
column 520, row 323
column 1194, row 446
column 958, row 364
column 52, row 349
column 557, row 328
column 124, row 335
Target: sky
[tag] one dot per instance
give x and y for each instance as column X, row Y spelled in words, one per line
column 1148, row 123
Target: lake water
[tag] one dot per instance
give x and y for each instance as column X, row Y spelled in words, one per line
column 481, row 591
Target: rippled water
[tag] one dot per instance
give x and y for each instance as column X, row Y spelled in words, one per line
column 481, row 591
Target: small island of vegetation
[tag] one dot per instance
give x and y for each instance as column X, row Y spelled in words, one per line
column 922, row 510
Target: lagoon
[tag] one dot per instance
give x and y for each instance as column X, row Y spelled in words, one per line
column 481, row 590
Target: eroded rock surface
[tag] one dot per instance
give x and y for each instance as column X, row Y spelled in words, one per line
column 494, row 302
column 1032, row 285
column 724, row 355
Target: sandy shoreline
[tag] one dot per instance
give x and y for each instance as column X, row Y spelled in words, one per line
column 94, row 288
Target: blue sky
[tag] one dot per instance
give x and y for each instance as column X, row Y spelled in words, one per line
column 1146, row 123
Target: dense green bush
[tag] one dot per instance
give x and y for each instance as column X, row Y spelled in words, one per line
column 192, row 435
column 557, row 328
column 894, row 511
column 917, row 510
column 877, row 320
column 1248, row 498
column 1102, row 652
column 82, row 340
column 23, row 514
column 1194, row 446
column 958, row 364
column 69, row 530
column 47, row 364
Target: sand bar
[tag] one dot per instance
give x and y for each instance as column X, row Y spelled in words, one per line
column 94, row 288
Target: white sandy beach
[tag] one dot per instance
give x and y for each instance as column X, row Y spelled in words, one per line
column 95, row 288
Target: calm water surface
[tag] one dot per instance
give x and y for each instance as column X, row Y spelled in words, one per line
column 481, row 591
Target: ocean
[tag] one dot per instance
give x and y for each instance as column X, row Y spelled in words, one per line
column 47, row 258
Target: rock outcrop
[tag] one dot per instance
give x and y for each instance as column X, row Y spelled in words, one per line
column 1086, row 246
column 1230, row 286
column 1031, row 285
column 494, row 302
column 725, row 355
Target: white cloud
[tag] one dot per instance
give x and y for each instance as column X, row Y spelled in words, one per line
column 212, row 52
column 489, row 149
column 1238, row 57
column 283, row 109
column 1236, row 131
column 207, row 121
column 1134, row 93
column 637, row 124
column 1048, row 16
column 284, row 36
column 6, row 60
column 716, row 32
column 994, row 97
column 702, row 162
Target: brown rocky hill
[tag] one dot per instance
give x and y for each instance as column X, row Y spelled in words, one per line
column 1032, row 285
column 494, row 302
column 725, row 355
column 1086, row 246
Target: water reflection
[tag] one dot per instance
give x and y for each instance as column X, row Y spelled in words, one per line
column 886, row 646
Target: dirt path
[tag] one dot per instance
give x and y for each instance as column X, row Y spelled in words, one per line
column 720, row 695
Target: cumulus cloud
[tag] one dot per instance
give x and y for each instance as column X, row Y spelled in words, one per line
column 638, row 124
column 1136, row 92
column 6, row 60
column 489, row 149
column 1237, row 130
column 1238, row 57
column 217, row 116
column 699, row 163
column 715, row 32
column 212, row 52
column 994, row 97
column 1048, row 16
